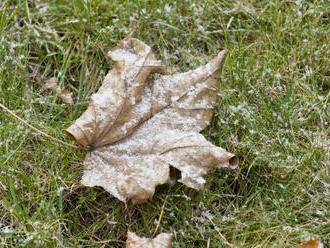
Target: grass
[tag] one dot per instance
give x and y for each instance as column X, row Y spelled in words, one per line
column 273, row 112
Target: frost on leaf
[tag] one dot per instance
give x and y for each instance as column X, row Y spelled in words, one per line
column 135, row 128
column 163, row 240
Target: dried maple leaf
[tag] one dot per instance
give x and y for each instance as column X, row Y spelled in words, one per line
column 162, row 240
column 136, row 128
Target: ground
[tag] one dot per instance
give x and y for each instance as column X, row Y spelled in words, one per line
column 273, row 113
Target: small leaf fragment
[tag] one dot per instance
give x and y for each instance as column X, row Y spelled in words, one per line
column 162, row 240
column 52, row 85
column 66, row 96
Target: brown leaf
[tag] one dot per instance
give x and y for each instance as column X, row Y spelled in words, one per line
column 50, row 84
column 162, row 240
column 63, row 94
column 313, row 243
column 136, row 128
column 66, row 96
